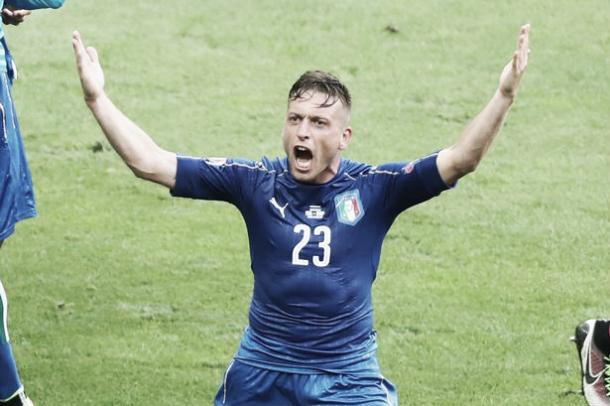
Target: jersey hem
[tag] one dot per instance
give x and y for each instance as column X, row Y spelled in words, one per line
column 11, row 229
column 362, row 365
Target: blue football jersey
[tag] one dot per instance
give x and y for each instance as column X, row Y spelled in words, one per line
column 17, row 200
column 314, row 250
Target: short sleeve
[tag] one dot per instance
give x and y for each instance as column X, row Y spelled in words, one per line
column 211, row 178
column 412, row 183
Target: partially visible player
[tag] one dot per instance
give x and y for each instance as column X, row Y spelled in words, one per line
column 592, row 338
column 16, row 192
column 316, row 223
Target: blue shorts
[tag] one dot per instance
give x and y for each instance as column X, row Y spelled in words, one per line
column 16, row 191
column 248, row 385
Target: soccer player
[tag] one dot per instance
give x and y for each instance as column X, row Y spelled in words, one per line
column 315, row 222
column 16, row 192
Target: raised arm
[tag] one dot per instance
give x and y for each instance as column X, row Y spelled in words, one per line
column 143, row 156
column 464, row 156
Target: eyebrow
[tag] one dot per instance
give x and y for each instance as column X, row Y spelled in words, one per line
column 312, row 117
column 319, row 118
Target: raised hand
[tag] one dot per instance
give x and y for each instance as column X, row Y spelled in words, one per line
column 89, row 69
column 513, row 71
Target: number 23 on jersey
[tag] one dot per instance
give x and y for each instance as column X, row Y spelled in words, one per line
column 324, row 245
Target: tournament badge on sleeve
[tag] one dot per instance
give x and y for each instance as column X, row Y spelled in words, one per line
column 349, row 207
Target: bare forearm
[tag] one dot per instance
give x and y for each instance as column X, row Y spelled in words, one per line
column 137, row 149
column 464, row 156
column 480, row 132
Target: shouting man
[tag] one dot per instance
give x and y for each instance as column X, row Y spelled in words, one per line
column 316, row 222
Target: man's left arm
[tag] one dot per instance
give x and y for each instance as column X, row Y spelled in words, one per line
column 464, row 156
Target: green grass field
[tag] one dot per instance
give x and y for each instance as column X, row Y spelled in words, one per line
column 121, row 295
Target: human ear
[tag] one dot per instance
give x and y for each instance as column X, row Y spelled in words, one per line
column 346, row 137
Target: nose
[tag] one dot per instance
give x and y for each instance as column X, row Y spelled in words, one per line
column 303, row 130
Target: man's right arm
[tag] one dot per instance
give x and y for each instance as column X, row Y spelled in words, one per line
column 143, row 156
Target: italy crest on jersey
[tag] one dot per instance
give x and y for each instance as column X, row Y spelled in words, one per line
column 349, row 207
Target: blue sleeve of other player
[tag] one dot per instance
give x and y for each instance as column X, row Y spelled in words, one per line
column 34, row 4
column 413, row 183
column 225, row 179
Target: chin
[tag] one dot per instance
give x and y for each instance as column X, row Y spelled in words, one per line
column 303, row 177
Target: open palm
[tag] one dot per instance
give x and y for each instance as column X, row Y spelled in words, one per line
column 513, row 71
column 89, row 68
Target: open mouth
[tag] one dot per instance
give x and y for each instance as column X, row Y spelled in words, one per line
column 303, row 157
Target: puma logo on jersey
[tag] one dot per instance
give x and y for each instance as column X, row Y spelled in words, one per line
column 278, row 207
